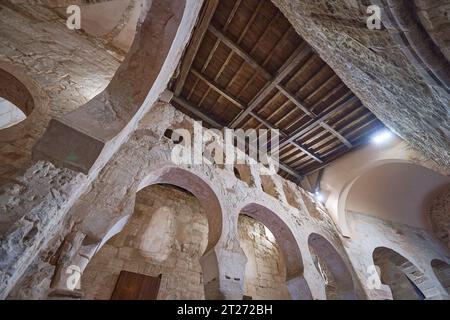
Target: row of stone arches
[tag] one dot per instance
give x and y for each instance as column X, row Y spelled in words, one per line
column 405, row 280
column 219, row 279
column 330, row 265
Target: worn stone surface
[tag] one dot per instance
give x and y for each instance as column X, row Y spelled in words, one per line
column 265, row 271
column 54, row 219
column 438, row 213
column 61, row 70
column 146, row 159
column 375, row 68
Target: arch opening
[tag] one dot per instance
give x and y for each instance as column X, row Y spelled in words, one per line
column 405, row 280
column 330, row 265
column 442, row 271
column 177, row 219
column 16, row 101
column 10, row 114
column 263, row 234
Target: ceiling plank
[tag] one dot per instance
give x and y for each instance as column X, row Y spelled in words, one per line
column 274, row 83
column 197, row 38
column 241, row 106
column 323, row 118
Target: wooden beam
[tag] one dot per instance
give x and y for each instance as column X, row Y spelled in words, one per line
column 196, row 111
column 330, row 129
column 274, row 83
column 299, row 54
column 199, row 33
column 241, row 106
column 319, row 120
column 357, row 143
column 244, row 55
column 216, row 88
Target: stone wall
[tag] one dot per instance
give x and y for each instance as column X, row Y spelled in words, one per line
column 62, row 69
column 412, row 250
column 265, row 272
column 438, row 212
column 434, row 16
column 374, row 66
column 167, row 235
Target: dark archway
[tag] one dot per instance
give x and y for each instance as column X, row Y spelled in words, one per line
column 166, row 235
column 406, row 281
column 297, row 285
column 338, row 279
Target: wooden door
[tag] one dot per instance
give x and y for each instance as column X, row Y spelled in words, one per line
column 135, row 286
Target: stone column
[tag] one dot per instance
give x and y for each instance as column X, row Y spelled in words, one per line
column 298, row 288
column 223, row 272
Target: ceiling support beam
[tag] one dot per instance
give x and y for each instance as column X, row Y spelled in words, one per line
column 348, row 101
column 196, row 111
column 241, row 106
column 198, row 35
column 274, row 83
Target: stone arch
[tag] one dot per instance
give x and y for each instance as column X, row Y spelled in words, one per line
column 296, row 283
column 342, row 202
column 97, row 128
column 166, row 235
column 402, row 276
column 22, row 95
column 437, row 210
column 14, row 91
column 191, row 182
column 441, row 270
column 168, row 176
column 339, row 283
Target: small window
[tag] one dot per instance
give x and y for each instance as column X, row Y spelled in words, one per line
column 173, row 136
column 243, row 173
column 269, row 186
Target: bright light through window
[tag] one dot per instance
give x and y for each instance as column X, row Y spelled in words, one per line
column 319, row 197
column 382, row 136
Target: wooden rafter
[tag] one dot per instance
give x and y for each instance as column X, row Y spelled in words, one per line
column 318, row 118
column 272, row 83
column 211, row 6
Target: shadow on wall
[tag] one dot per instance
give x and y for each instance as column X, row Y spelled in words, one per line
column 297, row 285
column 442, row 272
column 335, row 273
column 405, row 280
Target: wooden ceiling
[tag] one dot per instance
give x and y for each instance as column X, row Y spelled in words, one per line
column 246, row 67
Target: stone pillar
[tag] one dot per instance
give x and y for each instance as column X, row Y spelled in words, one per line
column 76, row 252
column 223, row 272
column 298, row 288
